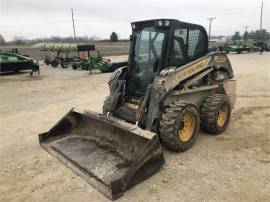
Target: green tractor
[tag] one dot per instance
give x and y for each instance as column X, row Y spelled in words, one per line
column 61, row 57
column 89, row 61
column 82, row 61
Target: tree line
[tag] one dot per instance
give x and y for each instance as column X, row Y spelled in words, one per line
column 19, row 40
column 252, row 35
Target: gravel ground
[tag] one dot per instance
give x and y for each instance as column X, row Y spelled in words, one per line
column 234, row 166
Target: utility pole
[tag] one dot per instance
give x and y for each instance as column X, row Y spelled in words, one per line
column 261, row 20
column 246, row 28
column 74, row 32
column 210, row 26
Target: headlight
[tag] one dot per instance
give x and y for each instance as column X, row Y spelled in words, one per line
column 167, row 23
column 160, row 23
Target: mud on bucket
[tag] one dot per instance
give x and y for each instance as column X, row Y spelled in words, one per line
column 108, row 153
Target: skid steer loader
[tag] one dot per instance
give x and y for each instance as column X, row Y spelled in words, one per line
column 171, row 87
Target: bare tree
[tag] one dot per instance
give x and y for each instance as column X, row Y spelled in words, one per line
column 236, row 36
column 245, row 36
column 260, row 36
column 19, row 40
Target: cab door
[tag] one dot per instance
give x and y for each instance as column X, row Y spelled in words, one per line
column 145, row 61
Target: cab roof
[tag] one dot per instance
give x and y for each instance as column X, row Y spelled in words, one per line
column 172, row 23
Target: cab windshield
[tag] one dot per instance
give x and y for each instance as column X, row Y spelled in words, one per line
column 147, row 52
column 149, row 42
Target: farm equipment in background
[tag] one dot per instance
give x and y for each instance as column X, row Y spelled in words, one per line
column 170, row 88
column 262, row 45
column 61, row 57
column 88, row 58
column 15, row 62
column 239, row 48
column 84, row 58
column 93, row 60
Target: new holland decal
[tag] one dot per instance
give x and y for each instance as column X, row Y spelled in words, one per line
column 190, row 70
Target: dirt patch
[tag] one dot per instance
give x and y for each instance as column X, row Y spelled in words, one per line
column 239, row 113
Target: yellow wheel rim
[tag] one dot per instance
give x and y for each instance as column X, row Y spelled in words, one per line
column 222, row 115
column 186, row 132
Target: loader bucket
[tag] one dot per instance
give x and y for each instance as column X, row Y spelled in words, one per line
column 108, row 153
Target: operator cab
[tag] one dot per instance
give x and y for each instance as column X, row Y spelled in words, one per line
column 158, row 44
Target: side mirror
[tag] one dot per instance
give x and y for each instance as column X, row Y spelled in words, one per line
column 155, row 65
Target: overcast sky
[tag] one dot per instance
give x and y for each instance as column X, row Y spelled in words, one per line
column 44, row 18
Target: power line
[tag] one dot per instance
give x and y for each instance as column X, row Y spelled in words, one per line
column 210, row 26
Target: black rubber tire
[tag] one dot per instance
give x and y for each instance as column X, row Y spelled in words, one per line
column 170, row 124
column 54, row 63
column 209, row 113
column 64, row 65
